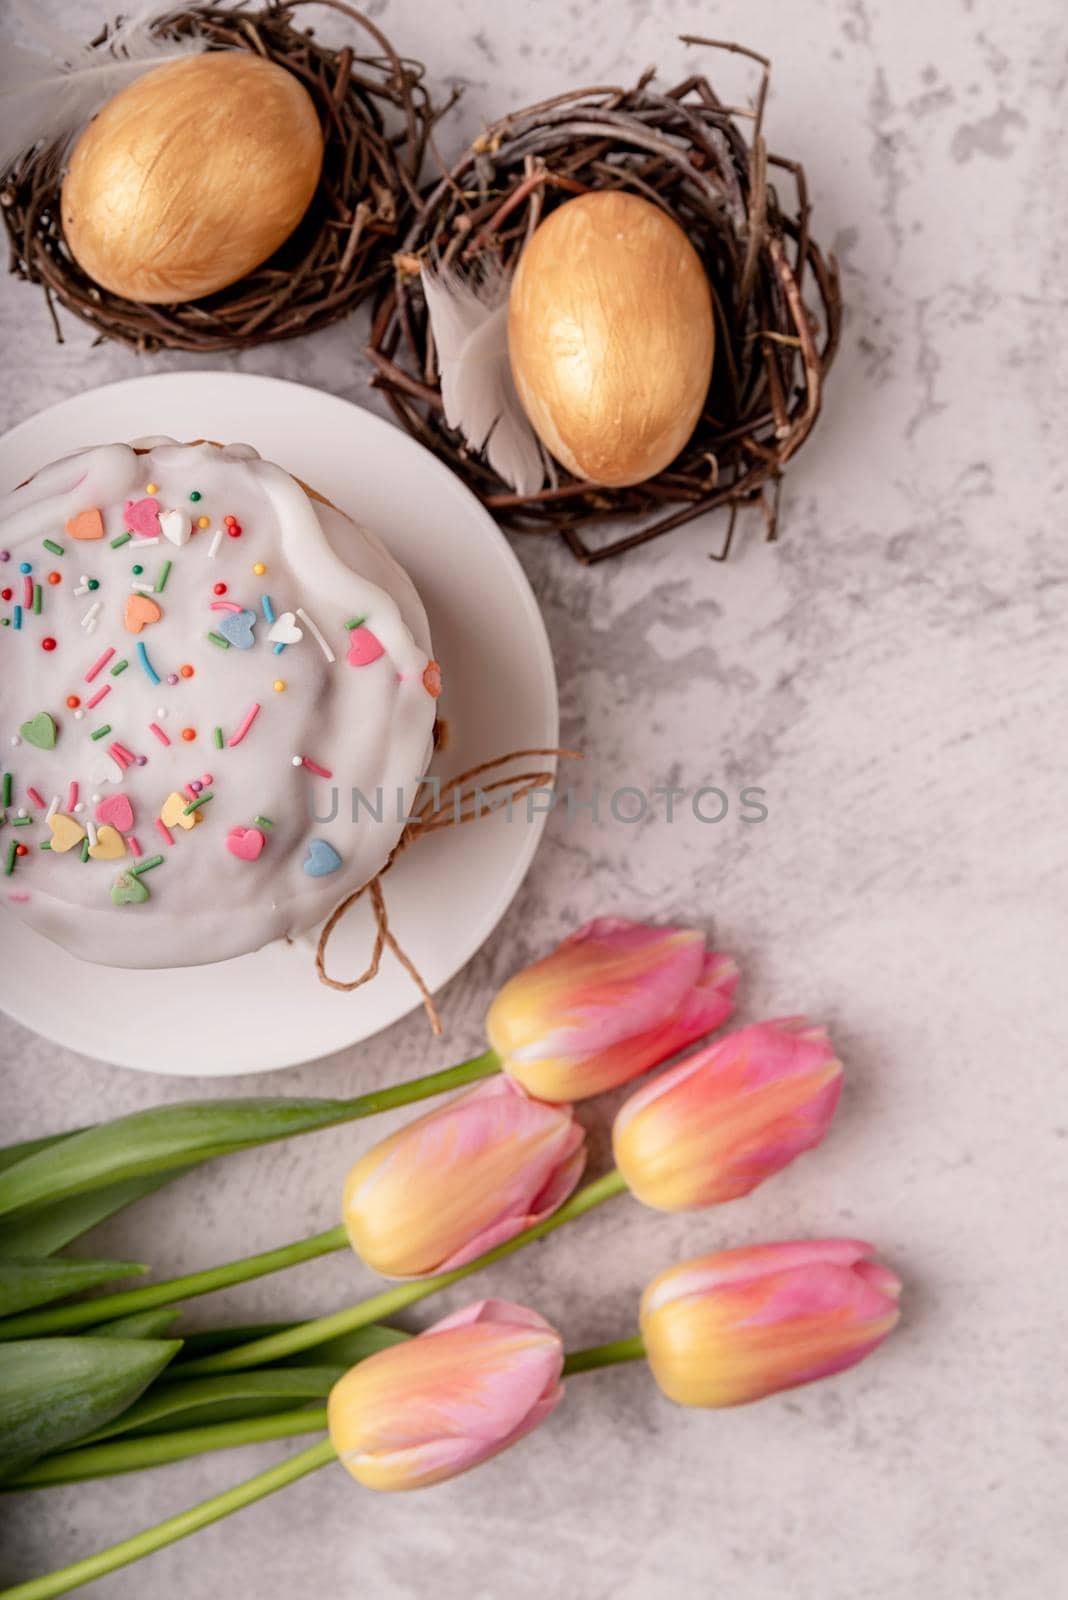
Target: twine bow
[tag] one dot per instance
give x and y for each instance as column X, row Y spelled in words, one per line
column 458, row 801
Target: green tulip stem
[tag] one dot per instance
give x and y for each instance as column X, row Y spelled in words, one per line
column 86, row 1313
column 160, row 1449
column 304, row 1335
column 605, row 1355
column 175, row 1528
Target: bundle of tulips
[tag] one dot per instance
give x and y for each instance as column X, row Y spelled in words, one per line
column 92, row 1386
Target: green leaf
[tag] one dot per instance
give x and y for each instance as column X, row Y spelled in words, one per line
column 10, row 1153
column 44, row 1228
column 183, row 1135
column 222, row 1399
column 139, row 1325
column 157, row 1141
column 54, row 1391
column 35, row 1283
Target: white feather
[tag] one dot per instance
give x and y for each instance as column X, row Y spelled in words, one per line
column 469, row 321
column 47, row 96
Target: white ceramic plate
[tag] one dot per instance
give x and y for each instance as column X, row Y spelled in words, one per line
column 447, row 893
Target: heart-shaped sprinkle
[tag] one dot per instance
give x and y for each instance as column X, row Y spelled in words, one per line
column 173, row 813
column 245, row 843
column 322, row 859
column 285, row 630
column 364, row 648
column 110, row 845
column 142, row 517
column 128, row 890
column 175, row 526
column 116, row 810
column 140, row 612
column 40, row 731
column 236, row 628
column 66, row 832
column 86, row 525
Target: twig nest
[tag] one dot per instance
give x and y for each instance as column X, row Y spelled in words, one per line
column 703, row 167
column 375, row 116
column 191, row 177
column 610, row 335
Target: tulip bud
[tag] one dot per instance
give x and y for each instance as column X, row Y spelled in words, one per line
column 461, row 1180
column 449, row 1399
column 729, row 1116
column 742, row 1324
column 613, row 1000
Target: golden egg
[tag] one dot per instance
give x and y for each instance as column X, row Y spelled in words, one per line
column 192, row 176
column 611, row 337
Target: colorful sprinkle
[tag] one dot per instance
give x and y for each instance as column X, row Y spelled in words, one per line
column 99, row 665
column 55, row 577
column 16, row 618
column 101, row 733
column 194, row 494
column 312, row 766
column 324, row 647
column 219, row 588
column 96, row 699
column 120, row 666
column 203, row 522
column 7, row 788
column 201, row 800
column 259, row 569
column 146, row 866
column 134, row 846
column 163, row 828
column 279, row 685
column 40, row 731
column 56, row 549
column 25, row 566
column 217, row 735
column 249, row 718
column 152, row 488
column 137, row 570
column 216, row 541
column 120, row 540
column 48, row 644
column 268, row 608
column 263, row 822
column 186, row 670
column 145, row 662
column 217, row 638
column 155, row 728
column 37, row 798
column 12, row 852
column 189, row 734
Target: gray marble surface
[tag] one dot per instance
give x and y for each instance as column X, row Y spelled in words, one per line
column 892, row 674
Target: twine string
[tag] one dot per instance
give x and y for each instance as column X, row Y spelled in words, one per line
column 457, row 801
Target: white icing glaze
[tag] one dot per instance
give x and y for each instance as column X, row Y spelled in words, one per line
column 369, row 726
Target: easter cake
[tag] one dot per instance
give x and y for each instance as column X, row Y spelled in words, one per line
column 206, row 670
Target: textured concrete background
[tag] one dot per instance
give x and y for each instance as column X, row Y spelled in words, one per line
column 892, row 674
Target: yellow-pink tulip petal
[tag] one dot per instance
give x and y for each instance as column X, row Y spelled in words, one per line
column 462, row 1179
column 456, row 1395
column 611, row 1001
column 718, row 1123
column 732, row 1327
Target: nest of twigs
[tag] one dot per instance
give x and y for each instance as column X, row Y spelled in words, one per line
column 375, row 115
column 776, row 295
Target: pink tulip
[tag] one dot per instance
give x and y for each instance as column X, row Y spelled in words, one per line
column 613, row 1000
column 729, row 1116
column 462, row 1179
column 449, row 1399
column 736, row 1326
